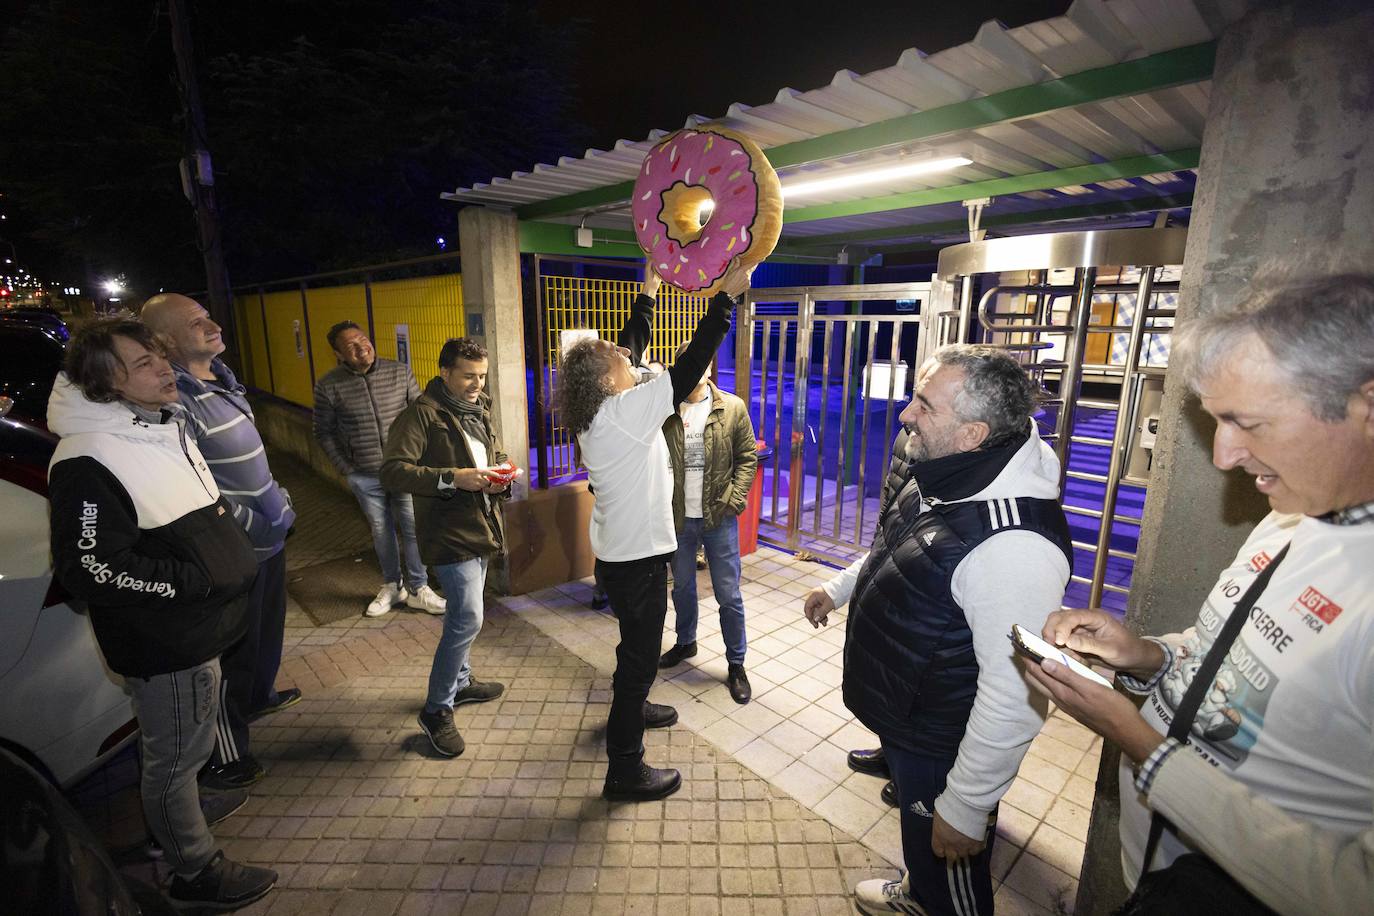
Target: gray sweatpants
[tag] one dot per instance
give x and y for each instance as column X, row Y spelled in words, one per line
column 177, row 714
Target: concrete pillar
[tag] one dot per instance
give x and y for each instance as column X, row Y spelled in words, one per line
column 489, row 242
column 1285, row 185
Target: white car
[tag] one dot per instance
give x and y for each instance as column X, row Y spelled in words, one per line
column 61, row 708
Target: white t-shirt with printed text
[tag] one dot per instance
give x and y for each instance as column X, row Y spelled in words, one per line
column 694, row 417
column 1290, row 715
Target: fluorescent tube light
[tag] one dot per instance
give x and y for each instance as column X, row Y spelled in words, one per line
column 875, row 176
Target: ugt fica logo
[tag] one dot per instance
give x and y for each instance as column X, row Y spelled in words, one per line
column 1316, row 609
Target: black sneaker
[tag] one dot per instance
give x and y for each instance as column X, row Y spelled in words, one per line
column 222, row 885
column 236, row 774
column 478, row 692
column 285, row 698
column 656, row 715
column 442, row 733
column 889, row 794
column 216, row 806
column 738, row 682
column 677, row 654
column 599, row 600
column 644, row 783
column 873, row 762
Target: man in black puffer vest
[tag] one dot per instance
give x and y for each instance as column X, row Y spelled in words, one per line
column 972, row 542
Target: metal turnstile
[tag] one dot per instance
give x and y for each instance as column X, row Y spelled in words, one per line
column 1077, row 308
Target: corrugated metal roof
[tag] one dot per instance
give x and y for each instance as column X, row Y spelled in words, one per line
column 1093, row 34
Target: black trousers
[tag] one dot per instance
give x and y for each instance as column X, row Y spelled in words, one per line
column 942, row 889
column 638, row 594
column 250, row 666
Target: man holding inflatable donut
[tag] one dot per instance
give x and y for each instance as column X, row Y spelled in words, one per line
column 616, row 409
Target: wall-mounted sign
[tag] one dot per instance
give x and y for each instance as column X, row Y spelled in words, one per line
column 403, row 343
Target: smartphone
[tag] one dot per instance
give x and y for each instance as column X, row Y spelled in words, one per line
column 1036, row 649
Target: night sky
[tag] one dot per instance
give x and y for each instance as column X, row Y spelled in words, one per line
column 747, row 51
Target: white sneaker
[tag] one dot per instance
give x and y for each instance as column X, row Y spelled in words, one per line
column 876, row 896
column 390, row 595
column 425, row 599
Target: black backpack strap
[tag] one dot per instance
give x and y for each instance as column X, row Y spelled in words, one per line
column 1182, row 725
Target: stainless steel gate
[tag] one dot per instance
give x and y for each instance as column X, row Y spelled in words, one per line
column 1077, row 307
column 824, row 383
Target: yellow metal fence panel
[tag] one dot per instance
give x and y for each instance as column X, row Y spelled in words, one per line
column 278, row 342
column 287, row 344
column 431, row 311
column 580, row 304
column 252, row 342
column 328, row 306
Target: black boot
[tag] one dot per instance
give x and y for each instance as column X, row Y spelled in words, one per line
column 656, row 715
column 738, row 682
column 677, row 654
column 642, row 783
column 873, row 762
column 889, row 794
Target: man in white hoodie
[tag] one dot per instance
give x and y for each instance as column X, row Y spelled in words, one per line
column 141, row 532
column 973, row 542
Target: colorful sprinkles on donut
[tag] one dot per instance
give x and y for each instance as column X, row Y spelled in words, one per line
column 688, row 170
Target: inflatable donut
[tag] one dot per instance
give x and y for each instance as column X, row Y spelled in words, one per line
column 678, row 177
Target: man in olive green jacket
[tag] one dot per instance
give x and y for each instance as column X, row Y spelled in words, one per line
column 711, row 446
column 441, row 450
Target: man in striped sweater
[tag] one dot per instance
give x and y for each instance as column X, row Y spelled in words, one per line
column 220, row 421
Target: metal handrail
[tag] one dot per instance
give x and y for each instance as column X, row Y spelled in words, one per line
column 1116, row 467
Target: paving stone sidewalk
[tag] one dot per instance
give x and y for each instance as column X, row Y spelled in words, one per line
column 359, row 816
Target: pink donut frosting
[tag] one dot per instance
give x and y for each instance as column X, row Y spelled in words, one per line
column 721, row 166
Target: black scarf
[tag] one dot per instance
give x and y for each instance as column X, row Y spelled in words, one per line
column 470, row 414
column 963, row 474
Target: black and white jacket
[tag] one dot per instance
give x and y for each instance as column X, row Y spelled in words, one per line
column 141, row 533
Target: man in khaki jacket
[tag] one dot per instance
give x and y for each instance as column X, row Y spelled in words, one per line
column 711, row 446
column 441, row 450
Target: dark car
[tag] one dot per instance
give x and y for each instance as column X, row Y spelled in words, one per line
column 30, row 357
column 38, row 316
column 51, row 862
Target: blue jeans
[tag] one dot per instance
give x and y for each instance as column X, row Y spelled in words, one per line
column 942, row 889
column 383, row 510
column 722, row 559
column 462, row 584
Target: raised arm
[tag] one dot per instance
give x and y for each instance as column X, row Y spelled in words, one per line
column 639, row 327
column 688, row 368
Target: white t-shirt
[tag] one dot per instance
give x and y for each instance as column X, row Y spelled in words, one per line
column 694, row 417
column 1289, row 716
column 627, row 465
column 479, row 456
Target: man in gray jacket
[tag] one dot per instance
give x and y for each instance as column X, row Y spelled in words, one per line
column 355, row 405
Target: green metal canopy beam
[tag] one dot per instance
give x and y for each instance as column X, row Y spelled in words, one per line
column 1131, row 167
column 557, row 238
column 874, row 238
column 1158, row 71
